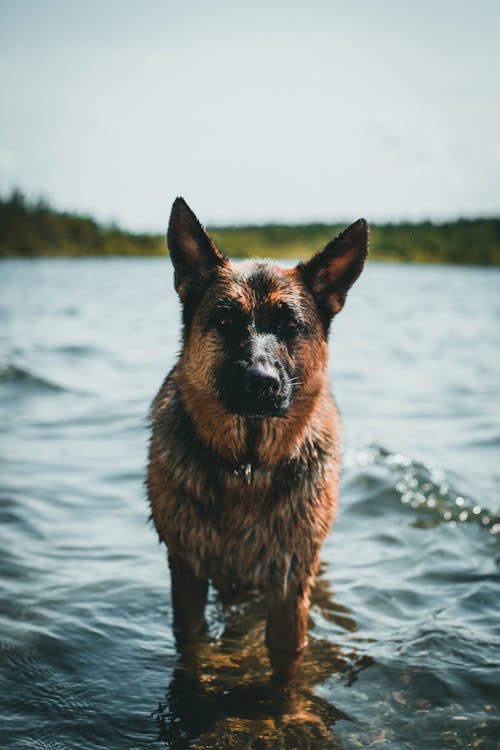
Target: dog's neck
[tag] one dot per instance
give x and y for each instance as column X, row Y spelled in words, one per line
column 245, row 444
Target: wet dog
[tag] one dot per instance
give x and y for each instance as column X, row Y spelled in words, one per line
column 245, row 449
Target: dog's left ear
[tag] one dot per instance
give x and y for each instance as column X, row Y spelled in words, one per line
column 330, row 274
column 193, row 252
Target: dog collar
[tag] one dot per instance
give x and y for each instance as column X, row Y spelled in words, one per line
column 244, row 470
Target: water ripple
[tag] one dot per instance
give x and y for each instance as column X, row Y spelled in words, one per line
column 14, row 375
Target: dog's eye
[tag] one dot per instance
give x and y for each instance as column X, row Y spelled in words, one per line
column 226, row 322
column 289, row 327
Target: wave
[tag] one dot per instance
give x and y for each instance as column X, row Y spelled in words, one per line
column 79, row 350
column 488, row 442
column 423, row 487
column 12, row 374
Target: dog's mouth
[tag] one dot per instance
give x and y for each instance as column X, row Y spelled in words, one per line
column 257, row 408
column 255, row 390
column 262, row 408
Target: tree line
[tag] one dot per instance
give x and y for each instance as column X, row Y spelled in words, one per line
column 34, row 229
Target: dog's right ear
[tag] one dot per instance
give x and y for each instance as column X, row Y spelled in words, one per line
column 194, row 254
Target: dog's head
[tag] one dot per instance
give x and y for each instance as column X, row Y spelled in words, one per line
column 254, row 333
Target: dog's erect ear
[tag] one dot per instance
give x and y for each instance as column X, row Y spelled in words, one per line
column 193, row 252
column 330, row 274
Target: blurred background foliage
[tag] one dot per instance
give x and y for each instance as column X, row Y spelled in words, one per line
column 34, row 229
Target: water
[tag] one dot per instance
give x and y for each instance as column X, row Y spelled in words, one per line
column 404, row 633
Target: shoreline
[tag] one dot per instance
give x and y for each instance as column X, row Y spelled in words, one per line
column 35, row 230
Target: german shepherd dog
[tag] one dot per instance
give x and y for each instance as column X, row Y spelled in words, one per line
column 245, row 449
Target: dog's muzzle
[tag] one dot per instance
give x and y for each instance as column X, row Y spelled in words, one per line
column 256, row 389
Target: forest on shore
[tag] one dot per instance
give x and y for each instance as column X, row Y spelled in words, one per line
column 31, row 229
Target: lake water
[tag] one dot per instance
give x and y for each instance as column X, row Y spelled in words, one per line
column 405, row 630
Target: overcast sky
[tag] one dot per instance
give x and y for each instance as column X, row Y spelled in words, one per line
column 253, row 111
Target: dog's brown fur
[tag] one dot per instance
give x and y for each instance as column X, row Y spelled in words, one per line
column 241, row 500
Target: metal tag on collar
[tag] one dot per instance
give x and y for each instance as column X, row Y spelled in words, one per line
column 248, row 473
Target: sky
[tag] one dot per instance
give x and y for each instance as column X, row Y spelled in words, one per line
column 276, row 111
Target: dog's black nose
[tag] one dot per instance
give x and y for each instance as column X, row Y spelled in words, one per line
column 261, row 380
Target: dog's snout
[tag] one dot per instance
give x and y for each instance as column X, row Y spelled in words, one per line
column 261, row 380
column 257, row 384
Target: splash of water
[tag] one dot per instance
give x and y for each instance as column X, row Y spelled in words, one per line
column 426, row 487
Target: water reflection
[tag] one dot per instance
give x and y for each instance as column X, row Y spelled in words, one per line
column 222, row 695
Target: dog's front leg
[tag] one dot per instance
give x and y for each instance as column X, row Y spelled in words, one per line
column 189, row 596
column 286, row 631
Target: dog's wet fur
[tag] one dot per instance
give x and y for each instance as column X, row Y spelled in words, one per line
column 245, row 449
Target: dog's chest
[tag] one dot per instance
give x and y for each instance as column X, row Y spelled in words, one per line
column 254, row 531
column 240, row 525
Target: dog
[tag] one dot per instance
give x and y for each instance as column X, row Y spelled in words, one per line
column 244, row 455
